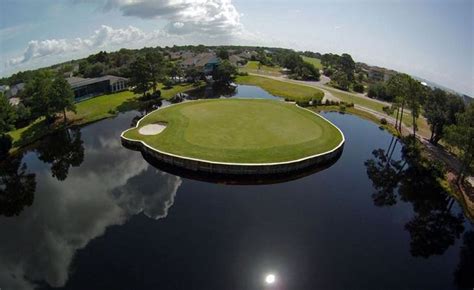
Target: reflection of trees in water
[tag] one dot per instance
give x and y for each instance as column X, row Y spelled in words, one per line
column 17, row 187
column 62, row 150
column 433, row 228
column 214, row 91
column 464, row 274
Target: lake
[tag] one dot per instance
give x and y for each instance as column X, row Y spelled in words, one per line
column 80, row 211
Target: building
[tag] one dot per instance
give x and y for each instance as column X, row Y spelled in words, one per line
column 90, row 87
column 15, row 90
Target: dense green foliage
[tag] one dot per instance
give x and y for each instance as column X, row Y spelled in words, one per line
column 461, row 135
column 224, row 73
column 47, row 95
column 440, row 109
column 341, row 69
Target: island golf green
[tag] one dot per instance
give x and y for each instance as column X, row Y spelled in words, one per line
column 243, row 131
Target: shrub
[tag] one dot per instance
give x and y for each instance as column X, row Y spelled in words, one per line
column 168, row 83
column 383, row 121
column 358, row 87
column 342, row 107
column 302, row 103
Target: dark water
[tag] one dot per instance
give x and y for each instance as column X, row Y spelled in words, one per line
column 91, row 214
column 240, row 91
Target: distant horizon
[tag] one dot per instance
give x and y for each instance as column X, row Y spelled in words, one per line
column 406, row 36
column 429, row 82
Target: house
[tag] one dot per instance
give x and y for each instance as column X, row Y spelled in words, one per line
column 4, row 89
column 236, row 60
column 15, row 90
column 90, row 87
column 211, row 65
column 206, row 62
column 379, row 74
column 197, row 60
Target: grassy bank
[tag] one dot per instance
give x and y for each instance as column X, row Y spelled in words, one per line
column 252, row 67
column 314, row 61
column 282, row 89
column 88, row 111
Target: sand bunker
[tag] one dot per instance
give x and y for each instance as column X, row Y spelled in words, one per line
column 152, row 129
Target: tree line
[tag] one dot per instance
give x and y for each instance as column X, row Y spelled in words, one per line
column 289, row 59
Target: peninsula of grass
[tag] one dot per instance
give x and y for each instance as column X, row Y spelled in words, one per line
column 314, row 61
column 238, row 131
column 254, row 67
column 290, row 91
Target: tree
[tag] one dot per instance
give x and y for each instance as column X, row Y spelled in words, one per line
column 224, row 73
column 398, row 86
column 139, row 76
column 95, row 70
column 358, row 87
column 416, row 96
column 62, row 96
column 155, row 68
column 222, row 53
column 440, row 110
column 7, row 115
column 341, row 80
column 461, row 136
column 37, row 96
column 347, row 65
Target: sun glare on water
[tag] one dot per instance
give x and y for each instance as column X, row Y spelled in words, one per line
column 270, row 279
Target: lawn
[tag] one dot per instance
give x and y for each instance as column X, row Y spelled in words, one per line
column 239, row 130
column 89, row 111
column 252, row 67
column 286, row 90
column 314, row 61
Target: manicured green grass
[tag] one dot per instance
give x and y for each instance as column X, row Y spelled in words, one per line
column 286, row 90
column 89, row 111
column 314, row 61
column 239, row 130
column 252, row 67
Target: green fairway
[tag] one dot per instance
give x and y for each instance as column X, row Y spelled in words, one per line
column 286, row 90
column 314, row 61
column 252, row 67
column 239, row 130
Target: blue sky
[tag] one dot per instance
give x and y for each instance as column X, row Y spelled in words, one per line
column 430, row 39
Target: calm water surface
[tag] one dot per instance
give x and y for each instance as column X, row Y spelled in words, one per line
column 91, row 214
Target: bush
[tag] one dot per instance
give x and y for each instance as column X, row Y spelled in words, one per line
column 388, row 109
column 383, row 121
column 342, row 107
column 168, row 83
column 302, row 103
column 242, row 73
column 358, row 87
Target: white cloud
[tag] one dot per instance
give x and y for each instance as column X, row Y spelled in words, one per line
column 103, row 37
column 67, row 215
column 211, row 17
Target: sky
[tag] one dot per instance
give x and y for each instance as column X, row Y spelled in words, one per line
column 431, row 39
